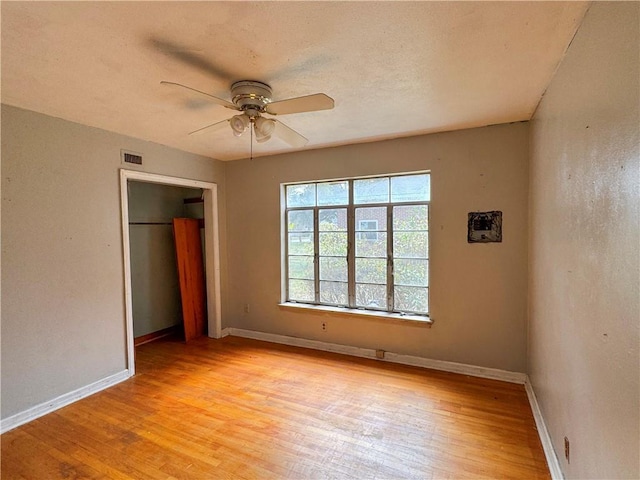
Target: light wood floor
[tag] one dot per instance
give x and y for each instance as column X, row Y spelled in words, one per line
column 237, row 408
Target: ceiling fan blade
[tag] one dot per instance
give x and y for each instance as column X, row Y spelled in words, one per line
column 213, row 127
column 309, row 103
column 289, row 135
column 217, row 100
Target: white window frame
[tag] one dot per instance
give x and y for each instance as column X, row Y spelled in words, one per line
column 351, row 233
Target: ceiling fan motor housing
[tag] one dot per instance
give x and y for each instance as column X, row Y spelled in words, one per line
column 251, row 95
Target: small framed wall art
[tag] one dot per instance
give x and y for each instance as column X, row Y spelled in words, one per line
column 484, row 227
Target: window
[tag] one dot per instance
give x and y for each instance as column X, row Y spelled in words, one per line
column 367, row 230
column 359, row 243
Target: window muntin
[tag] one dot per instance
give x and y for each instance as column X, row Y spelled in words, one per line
column 359, row 243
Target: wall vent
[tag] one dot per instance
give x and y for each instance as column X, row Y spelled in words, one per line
column 131, row 157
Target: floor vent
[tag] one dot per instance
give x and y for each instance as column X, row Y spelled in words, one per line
column 131, row 157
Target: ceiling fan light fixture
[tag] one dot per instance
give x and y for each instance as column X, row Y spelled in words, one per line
column 261, row 138
column 239, row 124
column 264, row 127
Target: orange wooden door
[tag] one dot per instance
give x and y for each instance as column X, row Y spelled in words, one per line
column 186, row 232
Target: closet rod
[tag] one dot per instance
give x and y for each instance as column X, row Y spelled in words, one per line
column 150, row 223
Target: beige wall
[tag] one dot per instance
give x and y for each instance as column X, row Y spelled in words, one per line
column 584, row 243
column 63, row 324
column 478, row 291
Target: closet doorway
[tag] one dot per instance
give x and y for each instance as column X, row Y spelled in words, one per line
column 149, row 202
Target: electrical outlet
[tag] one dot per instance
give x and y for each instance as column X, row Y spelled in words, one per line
column 566, row 449
column 246, row 308
column 380, row 354
column 324, row 326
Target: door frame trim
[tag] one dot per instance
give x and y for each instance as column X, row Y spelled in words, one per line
column 211, row 242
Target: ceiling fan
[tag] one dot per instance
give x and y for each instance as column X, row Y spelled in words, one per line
column 253, row 99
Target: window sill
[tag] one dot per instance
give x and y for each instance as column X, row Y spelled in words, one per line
column 413, row 320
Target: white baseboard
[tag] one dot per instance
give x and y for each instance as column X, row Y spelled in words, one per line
column 32, row 413
column 464, row 369
column 543, row 433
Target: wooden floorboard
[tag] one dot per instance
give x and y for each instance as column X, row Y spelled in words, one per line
column 243, row 409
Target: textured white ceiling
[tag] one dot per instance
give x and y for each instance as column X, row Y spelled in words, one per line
column 393, row 68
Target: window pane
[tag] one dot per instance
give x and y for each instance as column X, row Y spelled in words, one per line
column 371, row 247
column 411, row 217
column 301, row 267
column 300, row 244
column 333, row 193
column 333, row 268
column 410, row 244
column 368, row 225
column 367, row 217
column 371, row 296
column 371, row 270
column 300, row 221
column 411, row 299
column 410, row 188
column 301, row 290
column 333, row 244
column 334, row 293
column 332, row 219
column 411, row 272
column 301, row 195
column 371, row 190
